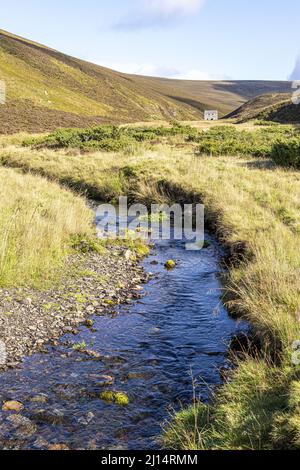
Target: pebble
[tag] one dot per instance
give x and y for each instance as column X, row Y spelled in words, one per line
column 13, row 406
column 58, row 447
column 87, row 419
column 40, row 399
column 105, row 380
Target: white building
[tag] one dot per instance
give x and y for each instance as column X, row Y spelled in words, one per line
column 211, row 115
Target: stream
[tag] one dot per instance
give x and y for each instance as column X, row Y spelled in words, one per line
column 154, row 349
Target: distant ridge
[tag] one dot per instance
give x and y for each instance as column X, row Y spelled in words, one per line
column 47, row 89
column 276, row 107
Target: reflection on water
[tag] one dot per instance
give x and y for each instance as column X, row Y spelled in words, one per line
column 150, row 349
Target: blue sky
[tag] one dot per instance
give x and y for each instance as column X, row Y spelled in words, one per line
column 196, row 39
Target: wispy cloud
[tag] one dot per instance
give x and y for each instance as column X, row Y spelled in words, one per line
column 172, row 7
column 295, row 75
column 158, row 13
column 153, row 70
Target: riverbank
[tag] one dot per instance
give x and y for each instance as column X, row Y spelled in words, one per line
column 93, row 284
column 253, row 207
column 113, row 385
column 53, row 270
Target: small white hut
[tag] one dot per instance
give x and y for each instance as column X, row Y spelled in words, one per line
column 211, row 115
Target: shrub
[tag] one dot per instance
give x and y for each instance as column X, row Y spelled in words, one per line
column 223, row 140
column 287, row 153
column 108, row 138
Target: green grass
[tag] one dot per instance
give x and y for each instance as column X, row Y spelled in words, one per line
column 280, row 142
column 257, row 410
column 37, row 222
column 254, row 208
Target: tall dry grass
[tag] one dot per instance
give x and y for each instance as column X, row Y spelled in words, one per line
column 250, row 204
column 37, row 221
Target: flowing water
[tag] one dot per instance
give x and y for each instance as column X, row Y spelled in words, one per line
column 154, row 349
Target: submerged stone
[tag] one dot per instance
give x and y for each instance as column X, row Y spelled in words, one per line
column 55, row 417
column 25, row 427
column 13, row 406
column 105, row 380
column 40, row 399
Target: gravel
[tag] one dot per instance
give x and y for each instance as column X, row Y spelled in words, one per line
column 94, row 285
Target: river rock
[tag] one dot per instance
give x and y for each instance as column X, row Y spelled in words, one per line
column 85, row 420
column 13, row 406
column 105, row 381
column 92, row 353
column 40, row 444
column 170, row 264
column 58, row 447
column 40, row 399
column 54, row 417
column 128, row 255
column 25, row 427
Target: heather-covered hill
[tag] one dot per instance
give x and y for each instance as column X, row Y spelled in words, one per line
column 47, row 89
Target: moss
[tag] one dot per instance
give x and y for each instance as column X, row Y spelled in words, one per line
column 87, row 273
column 110, row 302
column 88, row 244
column 81, row 298
column 170, row 264
column 120, row 398
column 51, row 306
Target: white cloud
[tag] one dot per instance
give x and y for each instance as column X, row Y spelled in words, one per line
column 158, row 13
column 193, row 74
column 173, row 7
column 153, row 70
column 150, row 70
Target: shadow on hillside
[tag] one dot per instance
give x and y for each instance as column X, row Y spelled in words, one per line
column 195, row 104
column 250, row 88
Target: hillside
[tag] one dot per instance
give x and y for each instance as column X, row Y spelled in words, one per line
column 47, row 89
column 275, row 107
column 226, row 96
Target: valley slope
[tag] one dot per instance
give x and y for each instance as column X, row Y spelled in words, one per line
column 47, row 89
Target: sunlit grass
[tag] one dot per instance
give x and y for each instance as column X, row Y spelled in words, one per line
column 254, row 208
column 37, row 221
